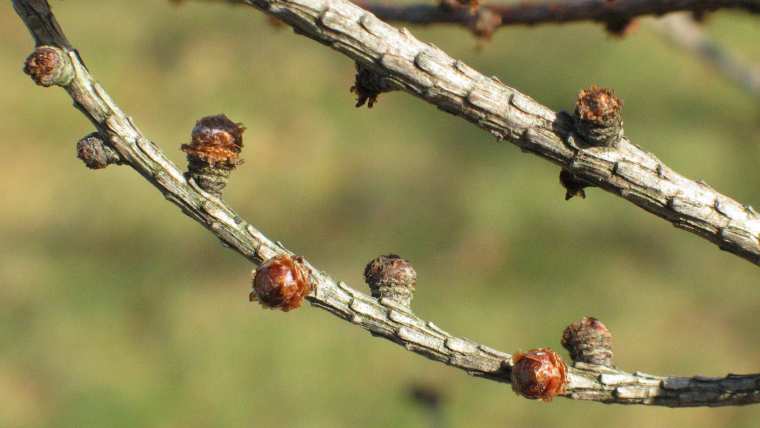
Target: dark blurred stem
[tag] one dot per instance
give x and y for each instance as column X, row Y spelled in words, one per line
column 613, row 14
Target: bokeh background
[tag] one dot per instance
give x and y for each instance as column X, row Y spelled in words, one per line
column 118, row 311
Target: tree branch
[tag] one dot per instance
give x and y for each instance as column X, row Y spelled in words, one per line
column 381, row 317
column 615, row 15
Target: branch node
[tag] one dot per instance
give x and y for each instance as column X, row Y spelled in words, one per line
column 597, row 116
column 391, row 277
column 48, row 66
column 213, row 152
column 96, row 153
column 368, row 86
column 574, row 186
column 589, row 341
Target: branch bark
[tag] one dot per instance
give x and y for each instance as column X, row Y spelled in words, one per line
column 382, row 317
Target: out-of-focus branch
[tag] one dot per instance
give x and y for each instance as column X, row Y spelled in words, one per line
column 690, row 35
column 616, row 15
column 383, row 317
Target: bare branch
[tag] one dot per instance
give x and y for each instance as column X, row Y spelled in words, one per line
column 383, row 317
column 615, row 15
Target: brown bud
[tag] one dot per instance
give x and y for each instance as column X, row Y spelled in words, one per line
column 473, row 4
column 368, row 86
column 96, row 152
column 392, row 277
column 485, row 24
column 597, row 116
column 213, row 152
column 572, row 184
column 281, row 282
column 588, row 341
column 539, row 374
column 49, row 66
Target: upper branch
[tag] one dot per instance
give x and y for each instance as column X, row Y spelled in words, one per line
column 382, row 317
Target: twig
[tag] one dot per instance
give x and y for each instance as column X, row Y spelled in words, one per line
column 381, row 317
column 682, row 30
column 615, row 15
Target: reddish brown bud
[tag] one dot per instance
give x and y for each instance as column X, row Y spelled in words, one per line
column 96, row 153
column 588, row 341
column 485, row 24
column 539, row 374
column 392, row 277
column 281, row 282
column 368, row 86
column 572, row 184
column 473, row 4
column 597, row 116
column 49, row 66
column 213, row 152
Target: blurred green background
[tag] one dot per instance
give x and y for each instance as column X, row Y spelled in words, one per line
column 118, row 311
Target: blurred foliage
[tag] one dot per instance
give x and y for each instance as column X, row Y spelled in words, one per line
column 118, row 311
